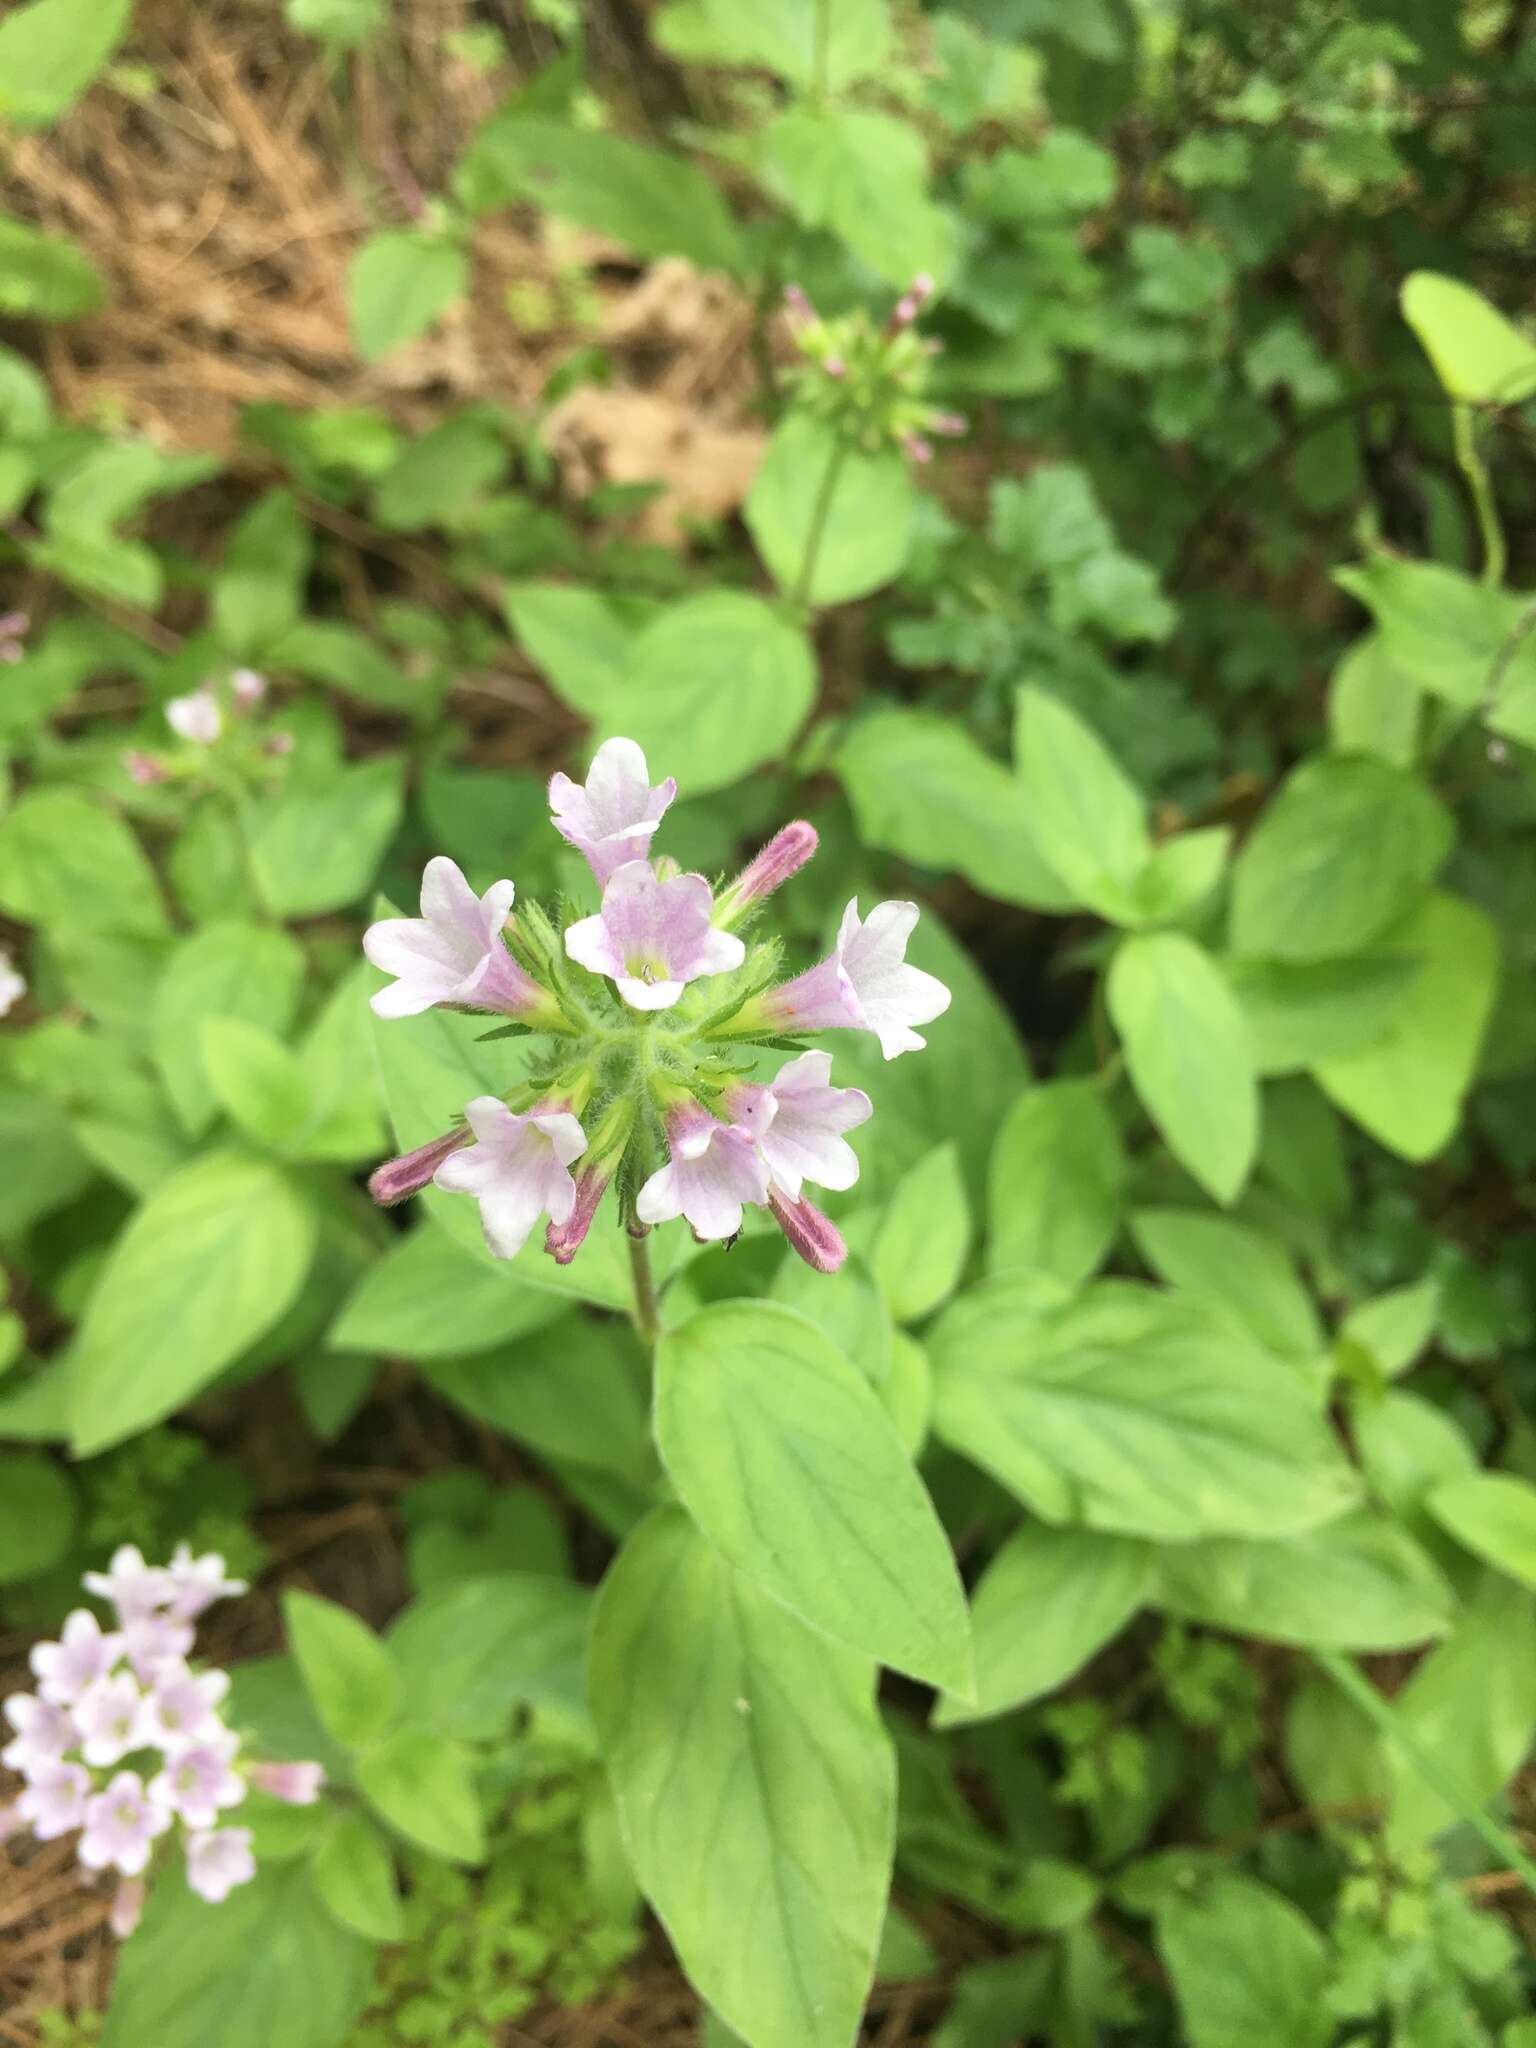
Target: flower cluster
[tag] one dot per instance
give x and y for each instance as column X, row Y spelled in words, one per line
column 124, row 1741
column 652, row 1006
column 870, row 382
column 202, row 718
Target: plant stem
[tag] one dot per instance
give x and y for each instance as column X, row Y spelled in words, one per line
column 820, row 513
column 1380, row 1711
column 821, row 51
column 647, row 1318
column 1470, row 463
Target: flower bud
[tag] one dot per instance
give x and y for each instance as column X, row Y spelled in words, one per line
column 143, row 768
column 397, row 1179
column 785, row 854
column 564, row 1240
column 295, row 1784
column 127, row 1907
column 815, row 1237
column 247, row 687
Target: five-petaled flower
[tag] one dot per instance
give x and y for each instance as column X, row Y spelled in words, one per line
column 453, row 953
column 653, row 936
column 612, row 816
column 518, row 1169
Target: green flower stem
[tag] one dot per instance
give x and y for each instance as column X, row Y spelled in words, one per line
column 820, row 513
column 1464, row 439
column 1370, row 1702
column 647, row 1315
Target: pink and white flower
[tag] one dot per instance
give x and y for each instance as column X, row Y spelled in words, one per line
column 152, row 1641
column 112, row 1719
column 182, row 1706
column 798, row 1121
column 54, row 1801
column 83, row 1654
column 864, row 984
column 195, row 717
column 133, row 1587
column 121, row 1826
column 127, row 1908
column 197, row 1582
column 714, row 1169
column 612, row 816
column 218, row 1859
column 296, row 1784
column 13, row 983
column 453, row 953
column 653, row 936
column 247, row 687
column 518, row 1169
column 44, row 1730
column 199, row 1783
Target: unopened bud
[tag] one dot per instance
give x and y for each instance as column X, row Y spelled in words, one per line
column 127, row 1907
column 277, row 744
column 294, row 1784
column 835, row 367
column 798, row 306
column 916, row 448
column 785, row 854
column 398, row 1179
column 947, row 423
column 247, row 687
column 143, row 768
column 564, row 1240
column 815, row 1237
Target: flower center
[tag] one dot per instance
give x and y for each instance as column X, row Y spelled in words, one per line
column 646, row 967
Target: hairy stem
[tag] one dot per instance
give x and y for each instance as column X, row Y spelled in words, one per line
column 816, row 533
column 647, row 1317
column 1470, row 463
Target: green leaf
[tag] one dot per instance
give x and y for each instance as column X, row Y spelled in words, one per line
column 1048, row 1601
column 471, row 1651
column 784, row 1456
column 1477, row 355
column 1056, row 1183
column 261, row 1968
column 1347, row 846
column 1407, row 1087
column 37, row 1515
column 399, row 282
column 1442, row 631
column 68, row 865
column 1133, row 1411
column 205, row 1267
column 354, row 1874
column 849, row 515
column 755, row 1786
column 428, row 1298
column 1472, row 1705
column 425, row 1788
column 807, row 44
column 257, row 1080
column 924, row 1236
column 326, row 651
column 344, row 23
column 922, row 788
column 1244, row 1274
column 1303, row 1011
column 441, row 477
column 318, row 848
column 1373, row 706
column 347, row 1671
column 43, row 277
column 579, row 638
column 1358, row 1583
column 50, row 51
column 864, row 175
column 1407, row 1447
column 847, row 1307
column 1247, row 1967
column 1494, row 1515
column 1179, row 875
column 1395, row 1327
column 716, row 686
column 1189, row 1052
column 1087, row 815
column 258, row 592
column 656, row 205
column 229, row 970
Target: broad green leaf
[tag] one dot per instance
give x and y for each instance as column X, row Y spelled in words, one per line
column 1190, row 1055
column 50, row 51
column 830, row 522
column 1048, row 1601
column 428, row 1298
column 1477, row 355
column 44, row 277
column 443, row 476
column 1241, row 1272
column 1088, row 817
column 1247, row 1967
column 715, row 687
column 259, row 590
column 1056, row 1181
column 263, row 1967
column 906, row 1392
column 657, row 205
column 1472, row 1704
column 1406, row 1089
column 922, row 788
column 1358, row 1583
column 1374, row 706
column 424, row 1787
column 354, row 1874
column 848, row 1308
column 204, row 1268
column 755, row 1786
column 1179, row 875
column 470, row 1652
column 1133, row 1411
column 318, row 847
column 578, row 638
column 1407, row 1448
column 70, row 866
column 784, row 1456
column 399, row 282
column 37, row 1514
column 1333, row 1752
column 259, row 1083
column 342, row 23
column 924, row 1236
column 864, row 175
column 1395, row 1327
column 1442, row 630
column 348, row 1673
column 1302, row 1011
column 229, row 969
column 805, row 42
column 326, row 651
column 1494, row 1515
column 1346, row 848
